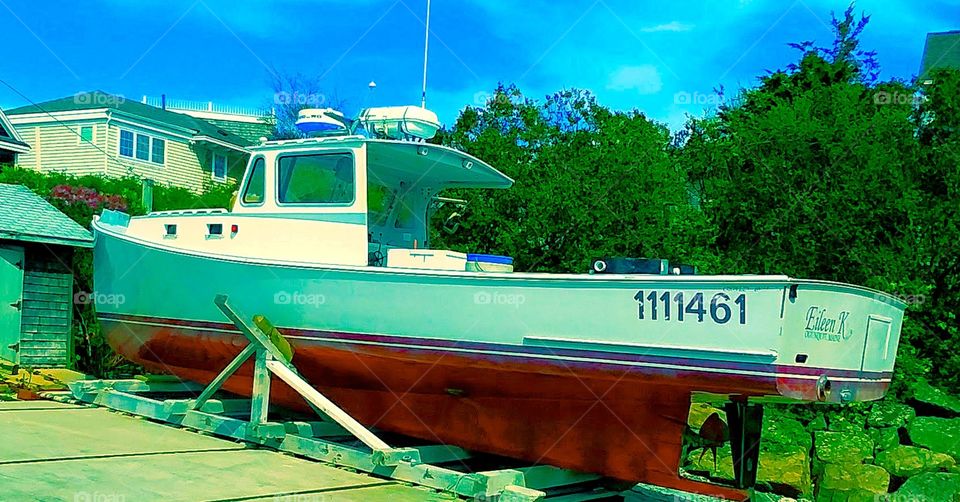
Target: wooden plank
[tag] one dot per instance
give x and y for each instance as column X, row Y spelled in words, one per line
column 260, row 397
column 542, row 477
column 326, row 406
column 231, row 368
column 441, row 453
column 40, row 274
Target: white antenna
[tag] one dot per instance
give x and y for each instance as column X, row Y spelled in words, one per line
column 426, row 45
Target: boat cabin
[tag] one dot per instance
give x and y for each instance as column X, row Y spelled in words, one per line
column 338, row 199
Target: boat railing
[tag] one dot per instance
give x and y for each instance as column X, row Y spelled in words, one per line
column 188, row 212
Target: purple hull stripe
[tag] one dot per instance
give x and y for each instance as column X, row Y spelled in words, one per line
column 517, row 349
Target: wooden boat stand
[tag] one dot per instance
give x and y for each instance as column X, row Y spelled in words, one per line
column 319, row 440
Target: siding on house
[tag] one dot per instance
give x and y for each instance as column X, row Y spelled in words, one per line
column 53, row 127
column 47, row 309
column 181, row 166
column 58, row 148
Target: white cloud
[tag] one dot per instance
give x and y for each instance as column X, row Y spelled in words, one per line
column 645, row 79
column 671, row 26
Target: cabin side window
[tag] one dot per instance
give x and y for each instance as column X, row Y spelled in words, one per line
column 253, row 193
column 316, row 179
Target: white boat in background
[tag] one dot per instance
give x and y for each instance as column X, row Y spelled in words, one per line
column 329, row 238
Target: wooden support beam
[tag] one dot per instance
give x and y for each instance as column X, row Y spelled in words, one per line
column 218, row 381
column 260, row 398
column 441, row 453
column 314, row 397
column 250, row 330
column 542, row 477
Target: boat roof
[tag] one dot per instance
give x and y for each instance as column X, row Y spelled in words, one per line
column 430, row 164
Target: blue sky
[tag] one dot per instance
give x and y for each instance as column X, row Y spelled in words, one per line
column 660, row 57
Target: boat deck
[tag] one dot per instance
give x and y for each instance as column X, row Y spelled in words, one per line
column 59, row 451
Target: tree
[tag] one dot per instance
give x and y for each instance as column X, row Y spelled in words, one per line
column 293, row 92
column 824, row 172
column 589, row 183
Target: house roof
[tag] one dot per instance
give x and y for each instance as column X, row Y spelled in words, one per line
column 97, row 100
column 251, row 131
column 942, row 50
column 10, row 138
column 25, row 216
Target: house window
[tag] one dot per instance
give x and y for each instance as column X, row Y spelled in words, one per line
column 253, row 193
column 219, row 167
column 316, row 179
column 156, row 150
column 86, row 134
column 126, row 143
column 142, row 147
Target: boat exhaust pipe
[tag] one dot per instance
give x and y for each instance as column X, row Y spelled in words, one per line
column 823, row 388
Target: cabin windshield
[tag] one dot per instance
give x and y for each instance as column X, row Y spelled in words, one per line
column 326, row 178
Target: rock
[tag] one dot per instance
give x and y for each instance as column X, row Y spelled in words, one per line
column 763, row 497
column 699, row 413
column 852, row 477
column 885, row 438
column 889, row 414
column 842, row 448
column 786, row 471
column 930, row 486
column 906, row 461
column 817, row 424
column 784, row 433
column 855, row 495
column 847, row 422
column 938, row 401
column 941, row 435
column 703, row 464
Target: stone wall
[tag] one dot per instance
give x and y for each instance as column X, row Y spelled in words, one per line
column 872, row 451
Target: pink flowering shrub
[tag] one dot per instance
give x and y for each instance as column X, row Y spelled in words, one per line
column 71, row 195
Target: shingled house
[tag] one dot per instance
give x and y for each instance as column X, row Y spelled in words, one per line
column 11, row 144
column 942, row 50
column 37, row 243
column 103, row 134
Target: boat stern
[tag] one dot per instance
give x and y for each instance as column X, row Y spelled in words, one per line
column 839, row 342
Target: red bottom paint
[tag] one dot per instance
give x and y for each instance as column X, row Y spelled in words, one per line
column 620, row 422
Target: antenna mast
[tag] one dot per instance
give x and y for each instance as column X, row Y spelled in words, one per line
column 426, row 45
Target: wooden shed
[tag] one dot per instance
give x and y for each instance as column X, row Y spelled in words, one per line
column 37, row 242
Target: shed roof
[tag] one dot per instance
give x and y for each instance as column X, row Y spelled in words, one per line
column 25, row 216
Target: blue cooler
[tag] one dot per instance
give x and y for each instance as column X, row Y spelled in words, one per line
column 489, row 263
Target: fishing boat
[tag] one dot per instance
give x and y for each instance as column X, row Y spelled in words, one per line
column 329, row 237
